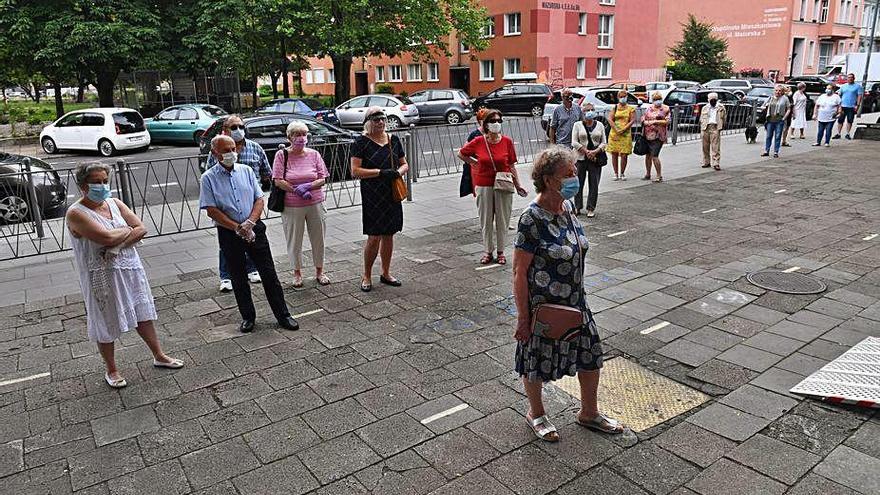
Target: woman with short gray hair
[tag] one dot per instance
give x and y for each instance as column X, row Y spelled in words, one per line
column 548, row 273
column 117, row 296
column 301, row 172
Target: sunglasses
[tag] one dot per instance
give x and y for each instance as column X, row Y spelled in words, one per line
column 378, row 118
column 235, row 127
column 494, row 121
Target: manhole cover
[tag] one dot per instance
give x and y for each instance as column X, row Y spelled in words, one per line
column 636, row 396
column 787, row 283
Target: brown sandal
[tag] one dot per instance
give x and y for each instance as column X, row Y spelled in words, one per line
column 501, row 259
column 486, row 259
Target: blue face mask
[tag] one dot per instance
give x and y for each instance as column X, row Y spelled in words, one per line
column 99, row 192
column 570, row 186
column 590, row 115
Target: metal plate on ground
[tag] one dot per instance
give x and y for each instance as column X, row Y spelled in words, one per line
column 787, row 282
column 636, row 396
column 853, row 378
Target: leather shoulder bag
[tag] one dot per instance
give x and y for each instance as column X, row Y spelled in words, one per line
column 503, row 180
column 276, row 194
column 398, row 186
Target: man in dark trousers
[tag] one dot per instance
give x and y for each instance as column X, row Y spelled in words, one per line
column 232, row 196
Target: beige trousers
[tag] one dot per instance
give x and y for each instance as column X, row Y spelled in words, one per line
column 712, row 146
column 295, row 221
column 494, row 208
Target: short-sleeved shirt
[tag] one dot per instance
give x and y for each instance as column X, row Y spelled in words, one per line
column 503, row 156
column 233, row 192
column 563, row 121
column 849, row 94
column 252, row 155
column 301, row 169
column 656, row 131
column 827, row 107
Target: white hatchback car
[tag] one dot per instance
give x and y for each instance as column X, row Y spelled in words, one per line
column 106, row 130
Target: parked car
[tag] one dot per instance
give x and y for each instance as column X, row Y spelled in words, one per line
column 14, row 204
column 183, row 123
column 270, row 132
column 400, row 110
column 636, row 88
column 815, row 84
column 871, row 100
column 443, row 105
column 603, row 99
column 106, row 130
column 516, row 98
column 739, row 87
column 664, row 87
column 688, row 103
column 300, row 106
column 759, row 95
column 577, row 92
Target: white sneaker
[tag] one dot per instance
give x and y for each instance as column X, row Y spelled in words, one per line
column 225, row 285
column 827, row 145
column 254, row 277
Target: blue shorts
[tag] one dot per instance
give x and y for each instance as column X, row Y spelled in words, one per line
column 848, row 114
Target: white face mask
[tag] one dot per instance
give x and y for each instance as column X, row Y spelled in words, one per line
column 237, row 135
column 494, row 127
column 657, row 103
column 229, row 159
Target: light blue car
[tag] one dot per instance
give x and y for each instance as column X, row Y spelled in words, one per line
column 183, row 123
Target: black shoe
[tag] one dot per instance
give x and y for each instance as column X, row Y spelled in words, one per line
column 836, row 136
column 392, row 283
column 247, row 326
column 288, row 323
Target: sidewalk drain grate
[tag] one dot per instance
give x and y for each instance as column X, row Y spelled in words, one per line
column 636, row 396
column 852, row 378
column 787, row 283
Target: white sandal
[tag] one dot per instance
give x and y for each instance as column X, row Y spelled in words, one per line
column 174, row 364
column 543, row 428
column 602, row 423
column 117, row 383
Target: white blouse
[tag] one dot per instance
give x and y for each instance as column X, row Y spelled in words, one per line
column 579, row 136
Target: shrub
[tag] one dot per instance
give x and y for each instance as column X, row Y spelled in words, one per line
column 385, row 88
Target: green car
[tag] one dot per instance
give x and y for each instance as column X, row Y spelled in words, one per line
column 183, row 123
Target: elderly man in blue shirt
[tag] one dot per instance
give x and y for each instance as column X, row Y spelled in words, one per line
column 232, row 197
column 251, row 154
column 850, row 97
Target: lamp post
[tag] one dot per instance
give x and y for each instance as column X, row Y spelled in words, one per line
column 868, row 56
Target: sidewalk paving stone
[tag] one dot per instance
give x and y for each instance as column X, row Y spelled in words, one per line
column 476, row 480
column 173, row 441
column 653, row 468
column 851, row 468
column 394, row 434
column 287, row 476
column 104, row 463
column 726, row 477
column 773, row 458
column 160, row 479
column 728, row 422
column 406, row 473
column 529, row 471
column 337, row 458
column 125, row 424
column 218, row 462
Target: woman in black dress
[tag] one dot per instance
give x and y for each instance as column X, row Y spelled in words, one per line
column 377, row 159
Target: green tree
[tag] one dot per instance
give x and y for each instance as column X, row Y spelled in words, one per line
column 700, row 55
column 346, row 29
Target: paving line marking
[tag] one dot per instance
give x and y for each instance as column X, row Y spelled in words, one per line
column 164, row 184
column 780, row 191
column 618, row 233
column 868, row 238
column 431, row 152
column 656, row 327
column 493, row 265
column 24, row 379
column 792, row 269
column 710, row 211
column 443, row 414
column 308, row 313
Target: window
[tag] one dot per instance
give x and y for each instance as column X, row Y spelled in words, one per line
column 511, row 66
column 331, row 76
column 582, row 23
column 414, row 72
column 811, row 54
column 170, row 114
column 841, row 47
column 380, row 73
column 512, row 24
column 185, row 114
column 815, row 16
column 395, row 73
column 489, row 28
column 581, row 68
column 823, row 14
column 487, row 70
column 824, row 54
column 603, row 68
column 433, row 71
column 804, row 7
column 358, row 102
column 441, row 95
column 97, row 120
column 267, row 128
column 606, row 31
column 309, row 77
column 319, row 76
column 462, row 48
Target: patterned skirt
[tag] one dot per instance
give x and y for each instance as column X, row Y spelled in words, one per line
column 548, row 359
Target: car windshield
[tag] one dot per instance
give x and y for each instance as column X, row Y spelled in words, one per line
column 761, row 92
column 128, row 122
column 213, row 111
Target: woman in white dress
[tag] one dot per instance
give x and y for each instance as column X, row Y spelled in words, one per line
column 112, row 278
column 799, row 110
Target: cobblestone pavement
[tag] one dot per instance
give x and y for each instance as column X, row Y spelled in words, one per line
column 359, row 400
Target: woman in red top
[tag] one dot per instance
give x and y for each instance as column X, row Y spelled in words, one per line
column 488, row 154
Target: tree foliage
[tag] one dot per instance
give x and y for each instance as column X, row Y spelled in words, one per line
column 700, row 55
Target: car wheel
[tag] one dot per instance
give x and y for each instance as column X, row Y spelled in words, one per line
column 392, row 123
column 48, row 145
column 14, row 208
column 453, row 118
column 106, row 148
column 537, row 110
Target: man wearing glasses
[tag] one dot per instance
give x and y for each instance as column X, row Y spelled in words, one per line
column 252, row 155
column 563, row 120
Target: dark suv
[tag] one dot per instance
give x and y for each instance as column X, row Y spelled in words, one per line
column 14, row 204
column 517, row 98
column 815, row 84
column 443, row 105
column 688, row 103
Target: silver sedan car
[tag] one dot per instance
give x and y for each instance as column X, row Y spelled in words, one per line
column 400, row 110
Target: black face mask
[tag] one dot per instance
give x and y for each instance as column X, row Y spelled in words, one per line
column 713, row 102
